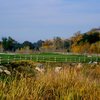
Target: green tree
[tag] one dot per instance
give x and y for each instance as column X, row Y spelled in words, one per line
column 5, row 43
column 8, row 44
column 27, row 44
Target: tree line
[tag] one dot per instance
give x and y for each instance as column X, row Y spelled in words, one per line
column 88, row 42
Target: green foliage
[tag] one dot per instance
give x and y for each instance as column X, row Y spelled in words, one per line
column 91, row 37
column 28, row 44
column 15, row 64
column 9, row 44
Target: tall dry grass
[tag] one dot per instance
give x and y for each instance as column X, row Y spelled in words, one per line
column 69, row 84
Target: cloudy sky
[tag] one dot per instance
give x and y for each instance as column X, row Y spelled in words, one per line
column 43, row 19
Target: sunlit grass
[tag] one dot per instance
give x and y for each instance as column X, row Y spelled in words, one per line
column 69, row 84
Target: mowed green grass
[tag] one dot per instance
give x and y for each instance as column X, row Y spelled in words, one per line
column 47, row 57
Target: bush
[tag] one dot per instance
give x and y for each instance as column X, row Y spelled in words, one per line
column 23, row 67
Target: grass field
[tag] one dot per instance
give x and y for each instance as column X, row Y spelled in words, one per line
column 47, row 57
column 68, row 84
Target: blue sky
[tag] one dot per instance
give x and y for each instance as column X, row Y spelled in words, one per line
column 43, row 19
